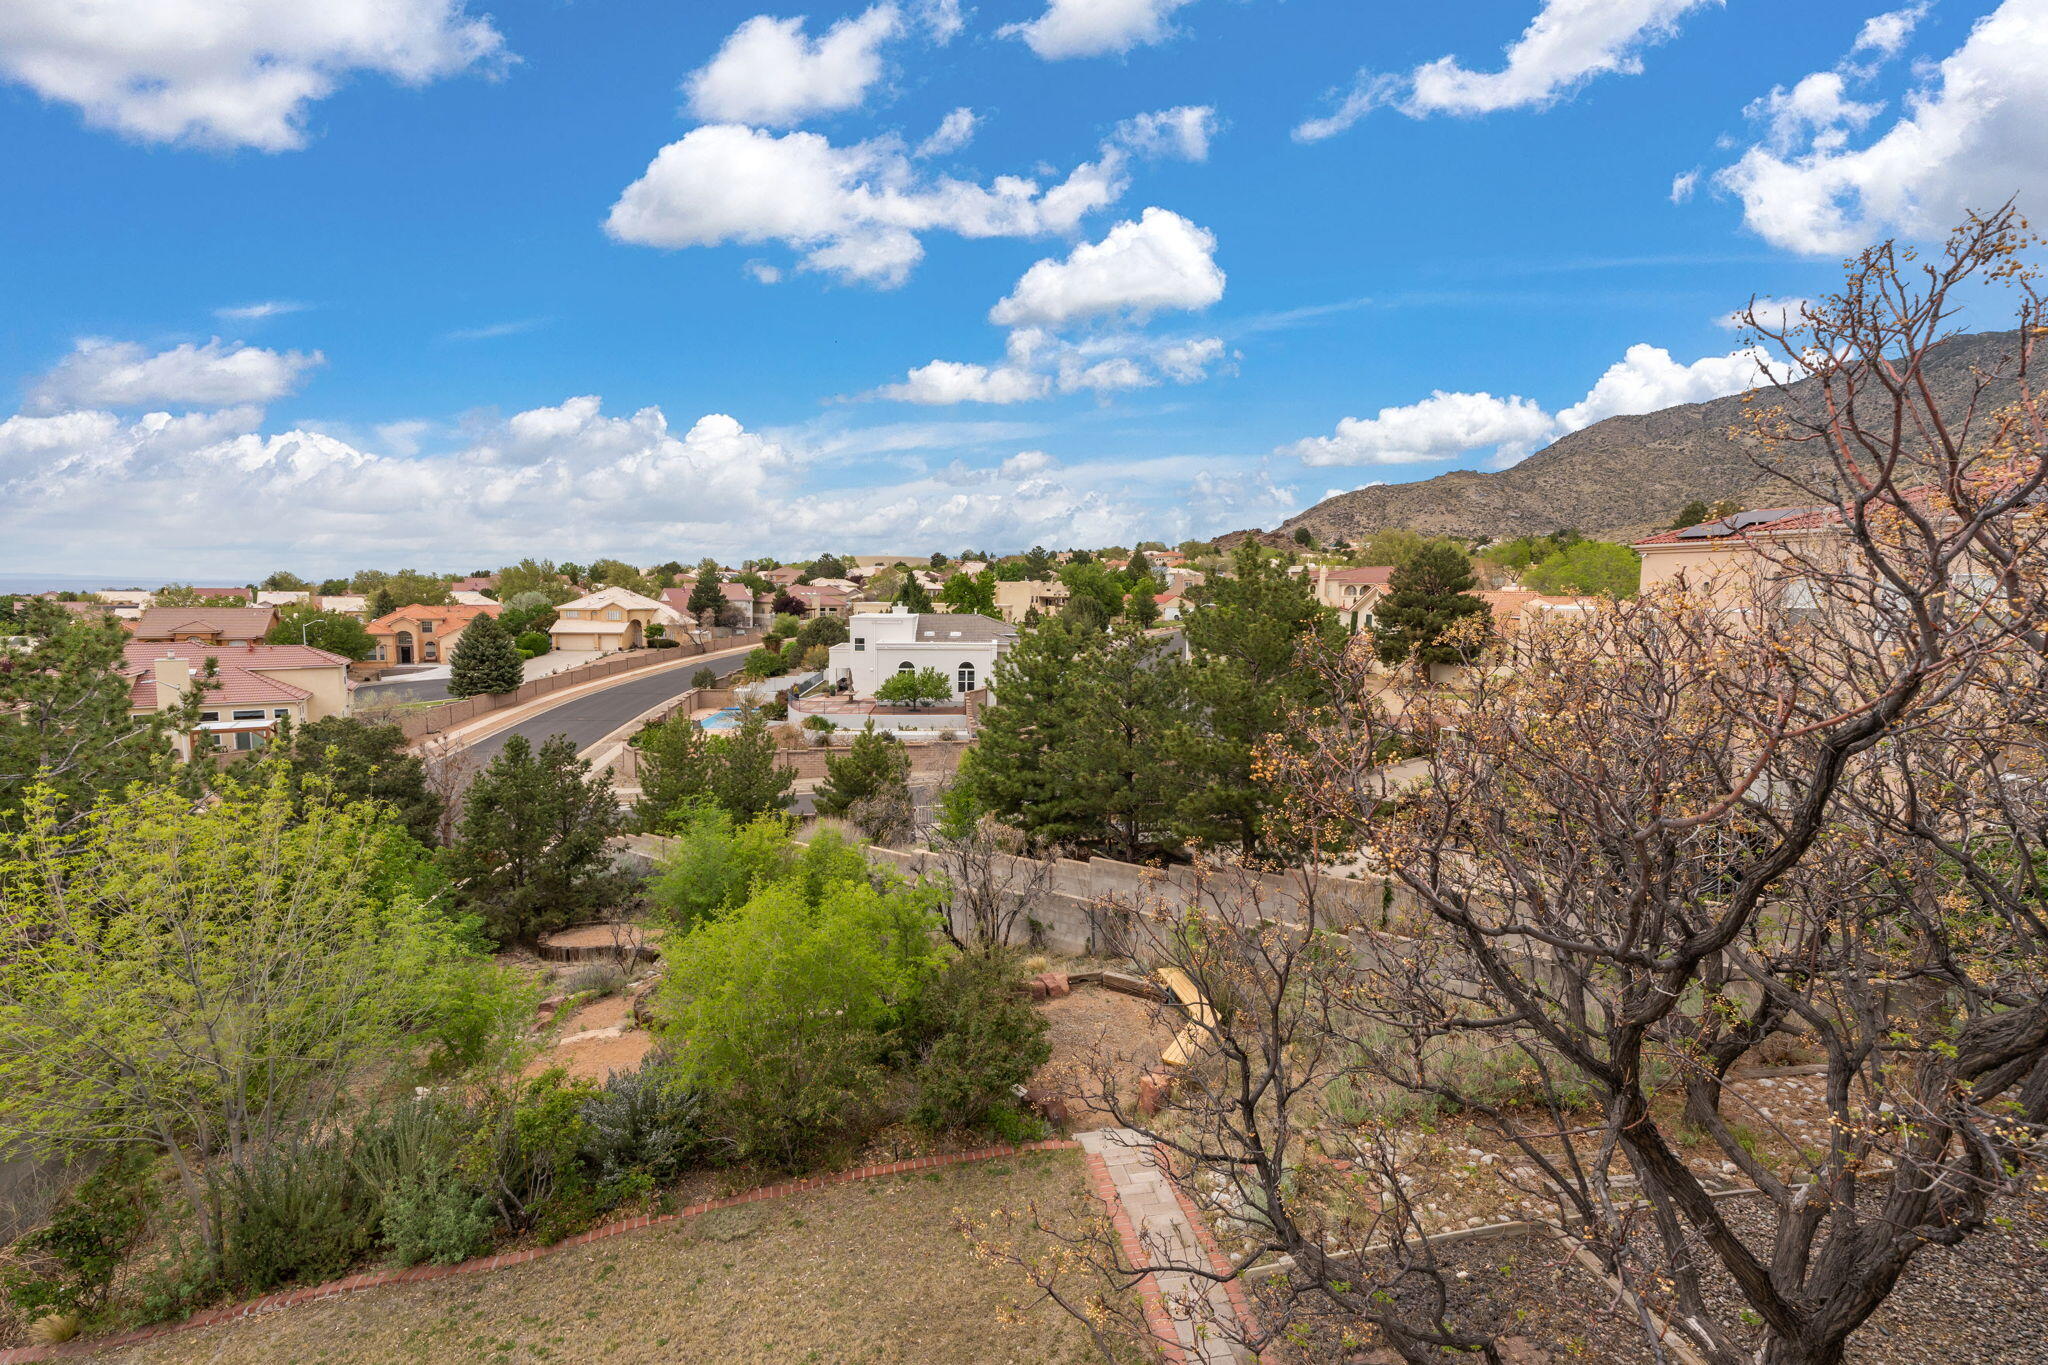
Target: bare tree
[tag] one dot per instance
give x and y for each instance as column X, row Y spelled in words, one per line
column 991, row 884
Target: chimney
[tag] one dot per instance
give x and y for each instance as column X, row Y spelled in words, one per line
column 173, row 681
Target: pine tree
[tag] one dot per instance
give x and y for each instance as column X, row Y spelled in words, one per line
column 1245, row 676
column 1119, row 764
column 355, row 760
column 912, row 594
column 1429, row 615
column 1141, row 608
column 705, row 598
column 1012, row 772
column 747, row 777
column 486, row 660
column 876, row 762
column 675, row 763
column 532, row 852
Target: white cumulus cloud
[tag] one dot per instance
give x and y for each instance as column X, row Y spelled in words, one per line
column 1972, row 134
column 1646, row 378
column 1161, row 261
column 121, row 374
column 1567, row 44
column 1095, row 28
column 769, row 72
column 229, row 73
column 955, row 131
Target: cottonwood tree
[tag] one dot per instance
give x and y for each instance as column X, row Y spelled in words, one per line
column 1806, row 801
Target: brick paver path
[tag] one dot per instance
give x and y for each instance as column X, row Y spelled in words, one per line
column 1167, row 1237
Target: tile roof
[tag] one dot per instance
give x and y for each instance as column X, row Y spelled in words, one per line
column 241, row 670
column 237, row 622
column 1377, row 575
column 1741, row 523
column 457, row 611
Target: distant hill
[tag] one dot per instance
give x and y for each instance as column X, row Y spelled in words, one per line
column 1617, row 479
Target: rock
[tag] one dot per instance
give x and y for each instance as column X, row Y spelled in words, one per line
column 549, row 1008
column 1153, row 1088
column 1056, row 985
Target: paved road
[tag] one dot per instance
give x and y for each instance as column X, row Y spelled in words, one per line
column 589, row 718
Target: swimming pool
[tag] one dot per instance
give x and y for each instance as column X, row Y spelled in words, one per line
column 726, row 719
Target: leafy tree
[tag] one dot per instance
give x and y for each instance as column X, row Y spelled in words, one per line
column 782, row 1010
column 827, row 566
column 209, row 981
column 333, row 631
column 765, row 663
column 875, row 764
column 1303, row 536
column 486, row 661
column 912, row 595
column 1097, row 594
column 1591, row 566
column 823, row 631
column 281, row 581
column 185, row 595
column 1196, row 549
column 1428, row 614
column 1010, row 571
column 705, row 598
column 715, row 863
column 532, row 851
column 616, row 573
column 343, row 758
column 408, row 588
column 1246, row 640
column 921, row 688
column 1699, row 510
column 973, row 593
column 64, row 712
column 526, row 611
column 533, row 575
column 334, row 587
column 939, row 560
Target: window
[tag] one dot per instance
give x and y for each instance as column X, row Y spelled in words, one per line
column 377, row 654
column 257, row 714
column 860, row 644
column 249, row 739
column 431, row 651
column 615, row 615
column 426, row 627
column 282, row 713
column 209, row 715
column 965, row 677
column 906, row 667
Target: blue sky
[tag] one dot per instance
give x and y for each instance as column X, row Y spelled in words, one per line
column 399, row 281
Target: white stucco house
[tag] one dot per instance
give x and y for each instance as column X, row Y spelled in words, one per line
column 962, row 647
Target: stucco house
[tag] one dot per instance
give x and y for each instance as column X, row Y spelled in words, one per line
column 962, row 647
column 1724, row 556
column 207, row 625
column 609, row 620
column 257, row 686
column 1352, row 593
column 421, row 635
column 1043, row 595
column 823, row 599
column 747, row 610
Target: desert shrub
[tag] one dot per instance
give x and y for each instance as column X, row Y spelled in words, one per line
column 775, row 709
column 716, row 864
column 408, row 1142
column 643, row 1121
column 525, row 1146
column 815, row 659
column 781, row 1011
column 66, row 1265
column 819, row 723
column 981, row 1040
column 596, row 979
column 704, row 677
column 435, row 1219
column 295, row 1211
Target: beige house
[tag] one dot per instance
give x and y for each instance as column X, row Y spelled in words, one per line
column 1043, row 595
column 609, row 620
column 254, row 687
column 1352, row 593
column 421, row 635
column 1724, row 556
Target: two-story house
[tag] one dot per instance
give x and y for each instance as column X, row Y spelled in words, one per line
column 962, row 647
column 608, row 620
column 419, row 635
column 206, row 625
column 252, row 689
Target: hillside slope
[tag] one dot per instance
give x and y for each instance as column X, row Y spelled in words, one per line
column 1617, row 479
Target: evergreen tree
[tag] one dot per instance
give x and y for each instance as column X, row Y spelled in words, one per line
column 1128, row 716
column 876, row 763
column 533, row 850
column 1139, row 572
column 486, row 660
column 1429, row 615
column 675, row 762
column 1141, row 608
column 705, row 598
column 912, row 594
column 1013, row 772
column 1245, row 676
column 355, row 760
column 747, row 777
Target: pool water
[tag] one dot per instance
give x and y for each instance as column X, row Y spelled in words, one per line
column 726, row 719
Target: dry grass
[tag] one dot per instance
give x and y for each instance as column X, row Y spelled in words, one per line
column 871, row 1271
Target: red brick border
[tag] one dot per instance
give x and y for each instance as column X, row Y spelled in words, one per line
column 1157, row 1320
column 1233, row 1289
column 21, row 1355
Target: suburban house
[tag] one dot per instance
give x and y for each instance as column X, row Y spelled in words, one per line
column 1352, row 593
column 470, row 597
column 608, row 620
column 421, row 635
column 474, row 583
column 1723, row 555
column 1043, row 595
column 963, row 647
column 243, row 595
column 257, row 686
column 784, row 576
column 738, row 596
column 821, row 599
column 207, row 625
column 1172, row 605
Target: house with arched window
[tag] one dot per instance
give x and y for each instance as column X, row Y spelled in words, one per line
column 962, row 647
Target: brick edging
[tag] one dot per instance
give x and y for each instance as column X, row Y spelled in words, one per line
column 1233, row 1284
column 1158, row 1321
column 21, row 1355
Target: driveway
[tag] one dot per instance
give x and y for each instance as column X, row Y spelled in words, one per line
column 589, row 718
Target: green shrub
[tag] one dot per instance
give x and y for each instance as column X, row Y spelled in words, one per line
column 67, row 1265
column 643, row 1121
column 981, row 1040
column 765, row 663
column 704, row 677
column 776, row 709
column 819, row 723
column 298, row 1211
column 525, row 1146
column 716, row 863
column 781, row 1011
column 437, row 1220
column 534, row 643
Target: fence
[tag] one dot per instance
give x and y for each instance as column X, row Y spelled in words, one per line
column 417, row 725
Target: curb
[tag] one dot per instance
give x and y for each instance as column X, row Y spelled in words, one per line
column 270, row 1303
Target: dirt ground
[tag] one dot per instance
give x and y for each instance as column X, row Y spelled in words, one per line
column 594, row 1058
column 600, row 936
column 872, row 1273
column 1101, row 1037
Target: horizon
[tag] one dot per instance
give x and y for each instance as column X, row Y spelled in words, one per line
column 660, row 282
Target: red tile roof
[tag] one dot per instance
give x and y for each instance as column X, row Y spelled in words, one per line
column 240, row 623
column 241, row 669
column 458, row 611
column 1377, row 575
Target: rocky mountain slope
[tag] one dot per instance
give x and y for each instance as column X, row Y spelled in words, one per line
column 1616, row 479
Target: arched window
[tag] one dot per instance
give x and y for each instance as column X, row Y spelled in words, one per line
column 965, row 676
column 906, row 667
